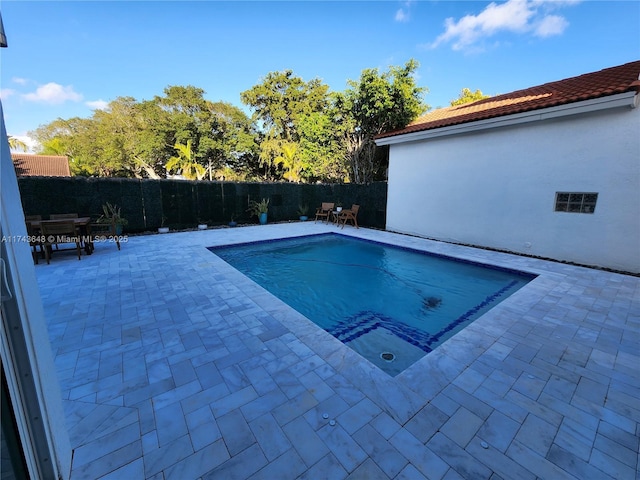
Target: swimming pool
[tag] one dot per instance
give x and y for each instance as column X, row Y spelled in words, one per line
column 392, row 305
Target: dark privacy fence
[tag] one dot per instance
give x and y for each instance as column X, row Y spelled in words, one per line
column 183, row 204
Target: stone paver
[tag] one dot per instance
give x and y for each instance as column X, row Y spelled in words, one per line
column 174, row 365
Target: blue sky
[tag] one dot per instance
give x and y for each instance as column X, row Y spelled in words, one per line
column 67, row 58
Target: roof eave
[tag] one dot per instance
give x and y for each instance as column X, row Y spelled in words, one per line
column 626, row 99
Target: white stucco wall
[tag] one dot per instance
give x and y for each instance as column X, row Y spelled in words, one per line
column 496, row 188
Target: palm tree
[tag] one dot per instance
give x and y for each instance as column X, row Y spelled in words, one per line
column 290, row 162
column 185, row 164
column 17, row 144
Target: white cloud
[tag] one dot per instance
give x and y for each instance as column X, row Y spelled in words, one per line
column 54, row 94
column 20, row 81
column 551, row 25
column 402, row 16
column 516, row 16
column 97, row 104
column 555, row 3
column 403, row 13
column 6, row 93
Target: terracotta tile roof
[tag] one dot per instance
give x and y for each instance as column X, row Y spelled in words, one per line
column 610, row 81
column 28, row 165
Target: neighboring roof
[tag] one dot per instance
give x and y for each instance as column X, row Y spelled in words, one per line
column 28, row 165
column 610, row 81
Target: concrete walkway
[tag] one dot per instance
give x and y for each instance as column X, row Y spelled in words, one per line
column 173, row 365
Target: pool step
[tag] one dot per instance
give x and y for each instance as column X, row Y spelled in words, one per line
column 366, row 321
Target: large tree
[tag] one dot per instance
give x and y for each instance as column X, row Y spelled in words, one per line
column 280, row 103
column 282, row 99
column 376, row 103
column 322, row 148
column 115, row 137
column 73, row 138
column 299, row 131
column 131, row 138
column 154, row 139
column 231, row 147
column 110, row 143
column 222, row 135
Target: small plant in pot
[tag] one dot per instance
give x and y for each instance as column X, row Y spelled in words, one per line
column 111, row 214
column 232, row 222
column 203, row 224
column 162, row 228
column 303, row 210
column 259, row 209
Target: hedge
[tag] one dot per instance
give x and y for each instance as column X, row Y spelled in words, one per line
column 183, row 204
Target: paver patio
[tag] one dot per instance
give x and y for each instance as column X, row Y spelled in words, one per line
column 173, row 365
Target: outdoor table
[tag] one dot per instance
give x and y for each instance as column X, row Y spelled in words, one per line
column 81, row 224
column 335, row 216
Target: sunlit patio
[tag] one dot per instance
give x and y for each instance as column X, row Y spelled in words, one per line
column 173, row 365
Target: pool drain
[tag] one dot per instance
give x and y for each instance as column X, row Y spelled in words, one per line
column 387, row 356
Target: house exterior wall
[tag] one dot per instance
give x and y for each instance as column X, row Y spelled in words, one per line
column 25, row 350
column 496, row 188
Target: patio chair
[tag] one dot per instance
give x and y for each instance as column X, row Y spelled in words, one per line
column 349, row 215
column 55, row 232
column 62, row 216
column 103, row 231
column 34, row 238
column 325, row 211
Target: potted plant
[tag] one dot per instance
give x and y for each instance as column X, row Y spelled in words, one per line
column 111, row 214
column 233, row 222
column 338, row 206
column 260, row 209
column 303, row 210
column 162, row 228
column 203, row 224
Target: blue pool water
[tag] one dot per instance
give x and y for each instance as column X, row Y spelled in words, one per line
column 390, row 304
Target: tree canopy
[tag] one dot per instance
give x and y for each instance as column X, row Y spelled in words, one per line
column 281, row 104
column 467, row 96
column 282, row 99
column 137, row 139
column 299, row 131
column 376, row 103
